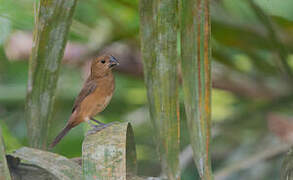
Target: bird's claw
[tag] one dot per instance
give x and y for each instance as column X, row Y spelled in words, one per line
column 97, row 128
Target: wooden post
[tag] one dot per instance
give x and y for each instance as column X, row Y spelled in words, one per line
column 287, row 166
column 110, row 154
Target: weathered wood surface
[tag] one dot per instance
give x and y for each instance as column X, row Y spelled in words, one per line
column 287, row 166
column 109, row 154
column 22, row 171
column 196, row 76
column 57, row 165
column 4, row 171
column 50, row 34
column 158, row 28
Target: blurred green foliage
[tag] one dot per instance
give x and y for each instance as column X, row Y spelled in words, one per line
column 240, row 44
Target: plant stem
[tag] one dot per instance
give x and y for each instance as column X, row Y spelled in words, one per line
column 50, row 35
column 159, row 48
column 196, row 76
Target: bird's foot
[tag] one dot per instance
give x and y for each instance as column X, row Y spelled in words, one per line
column 93, row 119
column 97, row 128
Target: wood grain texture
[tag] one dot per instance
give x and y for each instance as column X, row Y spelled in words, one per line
column 50, row 34
column 158, row 28
column 110, row 154
column 57, row 165
column 30, row 172
column 196, row 76
column 287, row 166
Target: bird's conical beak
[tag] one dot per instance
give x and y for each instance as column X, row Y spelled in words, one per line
column 113, row 61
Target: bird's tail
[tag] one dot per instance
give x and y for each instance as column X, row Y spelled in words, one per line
column 64, row 131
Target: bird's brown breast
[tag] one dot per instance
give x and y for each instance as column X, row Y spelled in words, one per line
column 98, row 99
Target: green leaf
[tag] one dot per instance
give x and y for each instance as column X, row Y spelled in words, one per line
column 13, row 142
column 277, row 8
column 159, row 28
column 274, row 41
column 196, row 76
column 5, row 27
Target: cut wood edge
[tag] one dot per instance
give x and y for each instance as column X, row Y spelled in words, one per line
column 110, row 154
column 287, row 166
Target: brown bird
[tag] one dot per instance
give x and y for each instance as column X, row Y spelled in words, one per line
column 95, row 95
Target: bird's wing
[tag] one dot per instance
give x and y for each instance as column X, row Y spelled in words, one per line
column 87, row 89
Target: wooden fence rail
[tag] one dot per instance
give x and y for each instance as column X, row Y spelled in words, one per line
column 106, row 155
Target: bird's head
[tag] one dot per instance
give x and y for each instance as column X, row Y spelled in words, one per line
column 103, row 65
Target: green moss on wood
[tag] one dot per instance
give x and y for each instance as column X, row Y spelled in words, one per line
column 287, row 166
column 59, row 166
column 109, row 154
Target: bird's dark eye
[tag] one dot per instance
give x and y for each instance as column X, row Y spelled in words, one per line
column 103, row 61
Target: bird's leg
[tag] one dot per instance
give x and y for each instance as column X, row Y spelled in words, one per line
column 93, row 119
column 99, row 127
column 92, row 124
